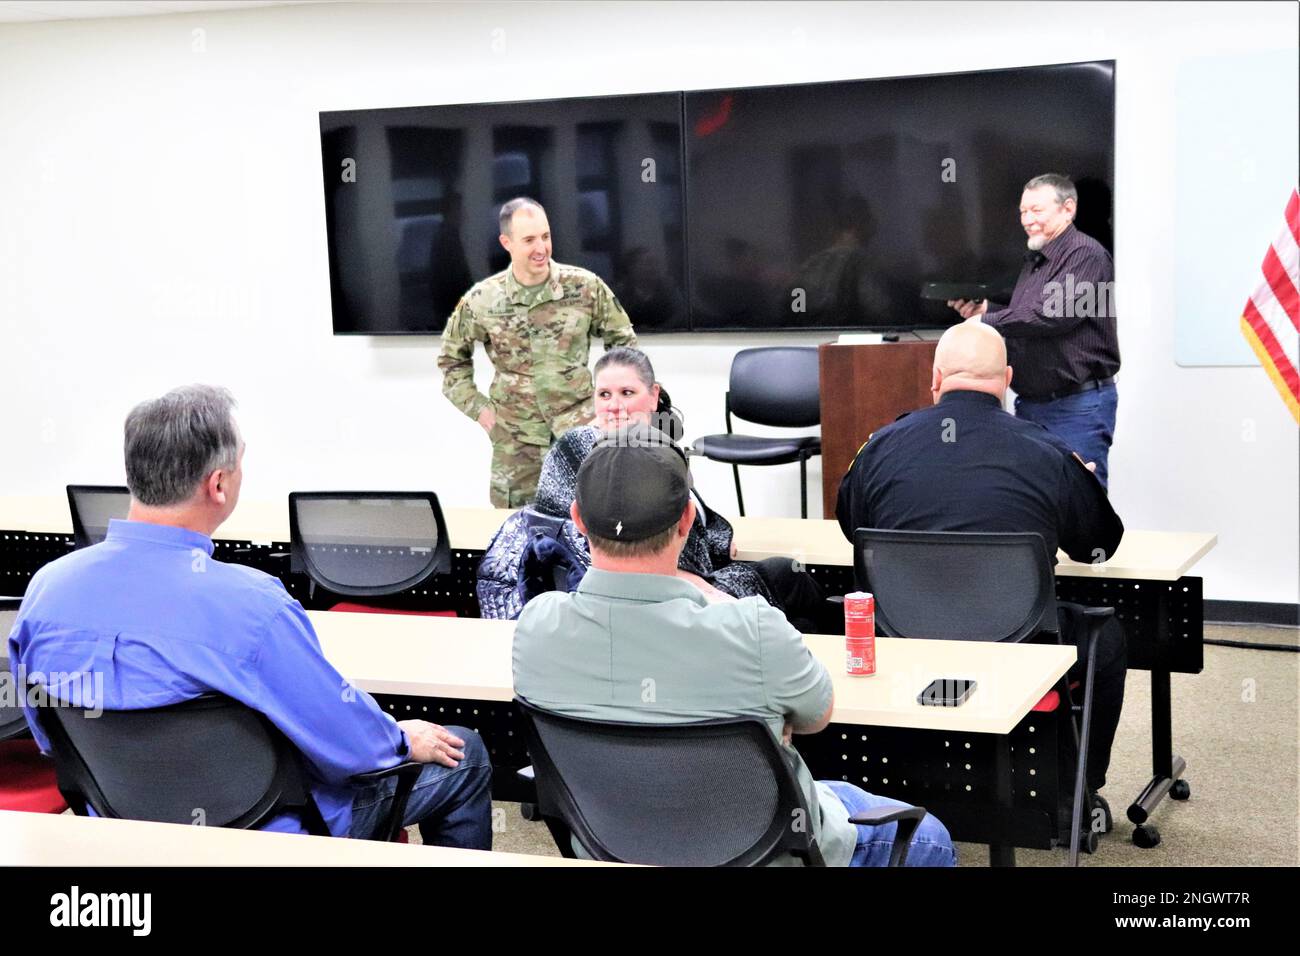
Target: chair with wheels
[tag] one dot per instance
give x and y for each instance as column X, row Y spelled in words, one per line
column 367, row 544
column 713, row 793
column 209, row 760
column 779, row 387
column 975, row 586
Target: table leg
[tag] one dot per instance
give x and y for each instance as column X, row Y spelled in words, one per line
column 1001, row 854
column 1166, row 766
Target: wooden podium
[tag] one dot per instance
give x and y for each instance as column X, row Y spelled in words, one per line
column 865, row 387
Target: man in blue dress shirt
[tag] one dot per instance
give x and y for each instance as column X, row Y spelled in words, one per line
column 155, row 620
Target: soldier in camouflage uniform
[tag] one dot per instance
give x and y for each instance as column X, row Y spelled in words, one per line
column 536, row 320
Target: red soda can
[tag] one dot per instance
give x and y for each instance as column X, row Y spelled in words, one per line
column 860, row 633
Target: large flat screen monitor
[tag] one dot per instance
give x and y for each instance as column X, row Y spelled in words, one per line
column 829, row 205
column 411, row 200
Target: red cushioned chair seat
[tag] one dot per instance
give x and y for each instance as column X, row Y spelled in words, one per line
column 27, row 779
column 365, row 609
column 1052, row 699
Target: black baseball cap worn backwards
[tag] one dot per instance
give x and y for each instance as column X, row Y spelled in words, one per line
column 633, row 485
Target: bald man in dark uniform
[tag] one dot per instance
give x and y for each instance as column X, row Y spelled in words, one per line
column 965, row 464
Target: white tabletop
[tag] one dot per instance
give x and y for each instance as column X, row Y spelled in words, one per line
column 49, row 839
column 470, row 659
column 1142, row 555
column 261, row 522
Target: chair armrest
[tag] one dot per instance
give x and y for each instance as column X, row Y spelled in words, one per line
column 908, row 819
column 406, row 773
column 409, row 768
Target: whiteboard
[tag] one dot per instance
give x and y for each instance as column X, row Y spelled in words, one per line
column 1238, row 124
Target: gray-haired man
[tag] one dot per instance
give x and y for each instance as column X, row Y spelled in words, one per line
column 162, row 622
column 1060, row 324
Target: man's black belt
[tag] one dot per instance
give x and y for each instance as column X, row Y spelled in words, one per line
column 1072, row 390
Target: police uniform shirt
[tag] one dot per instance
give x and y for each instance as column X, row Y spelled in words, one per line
column 965, row 464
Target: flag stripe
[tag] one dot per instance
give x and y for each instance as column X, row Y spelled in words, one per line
column 1293, row 214
column 1277, row 358
column 1288, row 253
column 1291, row 402
column 1288, row 339
column 1282, row 285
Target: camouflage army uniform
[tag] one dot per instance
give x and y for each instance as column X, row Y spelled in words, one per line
column 537, row 339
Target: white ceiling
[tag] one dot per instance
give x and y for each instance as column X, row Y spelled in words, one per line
column 32, row 11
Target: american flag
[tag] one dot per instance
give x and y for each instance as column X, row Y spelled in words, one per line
column 1271, row 321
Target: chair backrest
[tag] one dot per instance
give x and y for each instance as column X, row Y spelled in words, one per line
column 714, row 793
column 777, row 386
column 210, row 760
column 92, row 507
column 956, row 585
column 367, row 543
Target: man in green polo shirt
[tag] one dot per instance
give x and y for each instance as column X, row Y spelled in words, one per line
column 589, row 653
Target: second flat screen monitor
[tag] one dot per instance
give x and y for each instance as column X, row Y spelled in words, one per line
column 829, row 205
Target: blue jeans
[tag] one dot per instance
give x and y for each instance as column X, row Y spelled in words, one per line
column 452, row 805
column 1085, row 422
column 930, row 846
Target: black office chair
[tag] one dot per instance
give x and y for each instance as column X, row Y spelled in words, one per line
column 974, row 586
column 210, row 755
column 367, row 543
column 92, row 507
column 770, row 386
column 713, row 793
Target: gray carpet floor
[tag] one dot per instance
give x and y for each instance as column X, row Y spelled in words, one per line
column 1237, row 725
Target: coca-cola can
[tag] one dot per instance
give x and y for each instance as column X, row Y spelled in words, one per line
column 860, row 633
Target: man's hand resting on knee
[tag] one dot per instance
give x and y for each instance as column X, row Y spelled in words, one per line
column 430, row 743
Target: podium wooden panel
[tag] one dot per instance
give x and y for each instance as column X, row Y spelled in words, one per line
column 865, row 387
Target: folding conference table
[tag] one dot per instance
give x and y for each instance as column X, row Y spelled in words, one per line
column 1146, row 581
column 986, row 769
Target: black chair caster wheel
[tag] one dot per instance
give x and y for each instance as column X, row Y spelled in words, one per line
column 529, row 811
column 1181, row 790
column 1146, row 836
column 1088, row 841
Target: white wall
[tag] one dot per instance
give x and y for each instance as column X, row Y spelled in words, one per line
column 161, row 221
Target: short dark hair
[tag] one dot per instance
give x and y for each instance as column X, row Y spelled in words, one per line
column 1063, row 185
column 513, row 206
column 174, row 442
